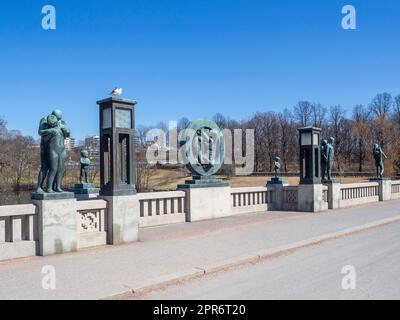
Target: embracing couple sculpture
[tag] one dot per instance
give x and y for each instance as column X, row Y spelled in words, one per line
column 53, row 131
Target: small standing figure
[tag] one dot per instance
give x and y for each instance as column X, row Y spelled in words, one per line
column 324, row 158
column 85, row 164
column 327, row 156
column 277, row 167
column 379, row 157
column 331, row 155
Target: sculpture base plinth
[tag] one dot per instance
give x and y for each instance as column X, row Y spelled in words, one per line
column 203, row 182
column 52, row 196
column 275, row 181
column 86, row 191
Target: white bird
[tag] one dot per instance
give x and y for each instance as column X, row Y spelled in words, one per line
column 116, row 92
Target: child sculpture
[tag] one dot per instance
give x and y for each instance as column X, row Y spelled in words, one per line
column 85, row 164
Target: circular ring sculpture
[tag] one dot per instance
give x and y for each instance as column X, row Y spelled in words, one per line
column 204, row 147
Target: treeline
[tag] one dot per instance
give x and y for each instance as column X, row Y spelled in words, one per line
column 19, row 159
column 355, row 132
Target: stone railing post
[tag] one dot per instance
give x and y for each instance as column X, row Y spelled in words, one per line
column 334, row 194
column 123, row 219
column 57, row 226
column 385, row 189
column 310, row 198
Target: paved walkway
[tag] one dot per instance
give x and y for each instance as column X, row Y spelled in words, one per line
column 177, row 250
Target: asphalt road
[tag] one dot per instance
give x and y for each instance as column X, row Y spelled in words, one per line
column 311, row 273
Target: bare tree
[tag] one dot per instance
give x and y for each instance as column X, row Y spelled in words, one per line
column 220, row 120
column 360, row 130
column 381, row 105
column 318, row 112
column 380, row 108
column 336, row 125
column 183, row 123
column 3, row 128
column 288, row 144
column 303, row 113
column 397, row 110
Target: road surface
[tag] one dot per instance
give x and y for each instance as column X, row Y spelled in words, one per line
column 311, row 273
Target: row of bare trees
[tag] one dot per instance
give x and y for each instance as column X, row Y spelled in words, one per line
column 275, row 135
column 355, row 131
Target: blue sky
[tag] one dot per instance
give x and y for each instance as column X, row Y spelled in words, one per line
column 192, row 58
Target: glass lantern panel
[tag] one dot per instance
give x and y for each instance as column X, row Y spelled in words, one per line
column 316, row 139
column 306, row 139
column 106, row 118
column 123, row 118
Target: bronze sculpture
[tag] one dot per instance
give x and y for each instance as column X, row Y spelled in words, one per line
column 379, row 157
column 53, row 131
column 327, row 157
column 277, row 167
column 85, row 164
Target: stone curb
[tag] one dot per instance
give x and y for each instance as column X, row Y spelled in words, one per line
column 252, row 258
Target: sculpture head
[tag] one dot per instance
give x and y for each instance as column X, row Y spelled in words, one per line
column 376, row 146
column 57, row 113
column 277, row 159
column 84, row 154
column 324, row 142
column 52, row 121
column 331, row 141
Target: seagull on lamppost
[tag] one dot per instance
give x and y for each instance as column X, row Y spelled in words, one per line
column 116, row 92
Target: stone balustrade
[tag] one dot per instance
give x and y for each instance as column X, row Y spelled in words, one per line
column 290, row 198
column 246, row 200
column 358, row 193
column 160, row 208
column 49, row 227
column 396, row 189
column 18, row 231
column 91, row 219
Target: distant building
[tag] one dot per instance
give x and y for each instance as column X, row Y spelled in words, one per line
column 69, row 143
column 92, row 145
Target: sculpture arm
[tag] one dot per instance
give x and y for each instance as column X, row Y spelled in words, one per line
column 66, row 131
column 46, row 132
column 42, row 126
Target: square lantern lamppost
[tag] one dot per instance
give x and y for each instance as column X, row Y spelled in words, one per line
column 117, row 147
column 310, row 155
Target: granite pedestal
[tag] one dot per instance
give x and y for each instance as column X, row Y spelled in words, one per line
column 206, row 198
column 57, row 224
column 123, row 219
column 310, row 198
column 277, row 185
